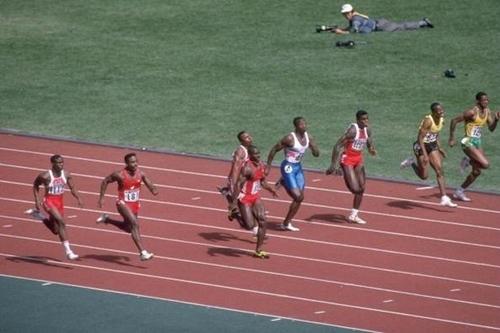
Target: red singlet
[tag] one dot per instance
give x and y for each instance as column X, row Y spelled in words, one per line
column 353, row 149
column 249, row 193
column 129, row 190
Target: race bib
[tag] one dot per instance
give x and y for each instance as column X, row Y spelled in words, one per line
column 288, row 168
column 358, row 145
column 57, row 189
column 476, row 132
column 256, row 187
column 131, row 195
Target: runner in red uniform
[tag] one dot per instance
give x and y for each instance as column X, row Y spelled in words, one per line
column 54, row 181
column 251, row 180
column 129, row 182
column 350, row 163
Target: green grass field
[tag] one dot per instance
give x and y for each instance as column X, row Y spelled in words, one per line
column 186, row 76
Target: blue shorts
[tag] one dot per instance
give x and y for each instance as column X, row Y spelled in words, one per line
column 292, row 174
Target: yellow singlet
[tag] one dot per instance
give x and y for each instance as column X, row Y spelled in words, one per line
column 473, row 128
column 432, row 135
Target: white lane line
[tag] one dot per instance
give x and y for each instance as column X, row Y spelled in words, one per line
column 259, row 271
column 182, row 302
column 264, row 293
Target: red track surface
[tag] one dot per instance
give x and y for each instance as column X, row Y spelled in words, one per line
column 415, row 267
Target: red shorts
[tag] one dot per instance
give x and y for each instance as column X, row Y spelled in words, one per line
column 54, row 202
column 249, row 199
column 134, row 206
column 352, row 160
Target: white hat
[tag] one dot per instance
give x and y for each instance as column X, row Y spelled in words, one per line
column 347, row 8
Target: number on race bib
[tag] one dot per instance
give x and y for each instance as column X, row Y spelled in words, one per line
column 131, row 195
column 476, row 132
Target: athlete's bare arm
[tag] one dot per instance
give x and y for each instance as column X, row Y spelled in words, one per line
column 72, row 188
column 41, row 179
column 313, row 146
column 114, row 177
column 286, row 141
column 424, row 129
column 493, row 120
column 370, row 144
column 149, row 184
column 334, row 168
column 466, row 115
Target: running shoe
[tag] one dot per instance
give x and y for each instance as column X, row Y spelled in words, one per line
column 446, row 201
column 288, row 227
column 261, row 254
column 102, row 219
column 407, row 163
column 460, row 195
column 72, row 256
column 145, row 255
column 35, row 213
column 356, row 219
column 464, row 164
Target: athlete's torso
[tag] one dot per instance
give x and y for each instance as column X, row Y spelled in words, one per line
column 432, row 134
column 295, row 153
column 130, row 187
column 253, row 185
column 56, row 184
column 473, row 127
column 356, row 145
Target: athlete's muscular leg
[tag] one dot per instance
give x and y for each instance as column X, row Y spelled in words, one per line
column 478, row 161
column 354, row 179
column 420, row 167
column 260, row 216
column 435, row 160
column 130, row 220
column 56, row 223
column 246, row 216
column 297, row 196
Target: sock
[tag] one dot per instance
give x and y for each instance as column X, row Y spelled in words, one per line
column 66, row 247
column 354, row 212
column 144, row 252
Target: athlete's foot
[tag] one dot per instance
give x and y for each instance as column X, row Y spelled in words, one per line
column 356, row 219
column 261, row 254
column 464, row 164
column 35, row 213
column 102, row 219
column 72, row 256
column 406, row 163
column 288, row 227
column 145, row 255
column 446, row 201
column 460, row 195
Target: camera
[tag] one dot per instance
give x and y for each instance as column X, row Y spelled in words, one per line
column 347, row 44
column 321, row 28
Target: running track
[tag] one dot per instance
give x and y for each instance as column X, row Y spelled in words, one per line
column 415, row 267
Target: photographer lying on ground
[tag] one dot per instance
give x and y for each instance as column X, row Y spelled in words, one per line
column 363, row 24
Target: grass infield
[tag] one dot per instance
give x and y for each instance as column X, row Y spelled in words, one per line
column 188, row 75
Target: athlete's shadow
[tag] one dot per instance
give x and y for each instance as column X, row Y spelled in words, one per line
column 228, row 252
column 46, row 261
column 333, row 218
column 120, row 260
column 215, row 237
column 407, row 205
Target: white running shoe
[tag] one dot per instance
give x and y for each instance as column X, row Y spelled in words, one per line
column 35, row 213
column 72, row 256
column 145, row 255
column 102, row 218
column 356, row 219
column 464, row 164
column 446, row 201
column 289, row 227
column 460, row 195
column 407, row 163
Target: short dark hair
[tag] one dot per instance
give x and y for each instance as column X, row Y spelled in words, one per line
column 296, row 120
column 360, row 114
column 128, row 156
column 55, row 157
column 240, row 134
column 480, row 94
column 434, row 106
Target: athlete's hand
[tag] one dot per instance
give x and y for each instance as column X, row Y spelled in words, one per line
column 372, row 151
column 267, row 170
column 443, row 153
column 99, row 202
column 497, row 116
column 451, row 142
column 334, row 170
column 80, row 202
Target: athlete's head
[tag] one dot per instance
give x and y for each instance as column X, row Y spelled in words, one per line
column 131, row 161
column 482, row 99
column 362, row 118
column 245, row 138
column 437, row 109
column 253, row 153
column 300, row 124
column 57, row 162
